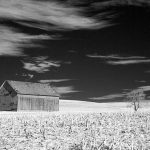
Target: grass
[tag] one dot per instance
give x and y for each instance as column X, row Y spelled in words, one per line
column 75, row 131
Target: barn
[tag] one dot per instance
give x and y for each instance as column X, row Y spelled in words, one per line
column 28, row 96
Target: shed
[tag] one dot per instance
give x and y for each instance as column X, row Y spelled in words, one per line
column 28, row 96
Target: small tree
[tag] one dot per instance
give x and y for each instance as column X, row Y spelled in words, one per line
column 135, row 97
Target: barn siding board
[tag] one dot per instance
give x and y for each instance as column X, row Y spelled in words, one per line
column 42, row 103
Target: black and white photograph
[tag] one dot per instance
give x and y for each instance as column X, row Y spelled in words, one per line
column 74, row 74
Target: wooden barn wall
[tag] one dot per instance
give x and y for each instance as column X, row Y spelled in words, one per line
column 8, row 103
column 41, row 103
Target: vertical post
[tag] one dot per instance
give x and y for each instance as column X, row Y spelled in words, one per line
column 18, row 102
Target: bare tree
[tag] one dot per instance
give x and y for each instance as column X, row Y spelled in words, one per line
column 135, row 97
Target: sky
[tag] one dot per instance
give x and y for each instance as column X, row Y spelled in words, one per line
column 86, row 50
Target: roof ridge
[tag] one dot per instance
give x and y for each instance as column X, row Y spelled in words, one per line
column 32, row 88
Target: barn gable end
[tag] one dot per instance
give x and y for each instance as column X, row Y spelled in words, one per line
column 8, row 98
column 6, row 89
column 28, row 96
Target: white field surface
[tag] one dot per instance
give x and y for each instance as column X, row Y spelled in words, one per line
column 78, row 125
column 75, row 106
column 84, row 106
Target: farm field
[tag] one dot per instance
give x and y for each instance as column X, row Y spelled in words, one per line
column 75, row 131
column 79, row 125
column 84, row 106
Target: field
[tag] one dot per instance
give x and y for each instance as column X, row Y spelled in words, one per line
column 75, row 131
column 85, row 106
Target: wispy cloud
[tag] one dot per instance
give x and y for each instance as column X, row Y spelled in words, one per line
column 110, row 3
column 42, row 13
column 40, row 64
column 140, row 81
column 115, row 59
column 127, row 62
column 144, row 88
column 11, row 41
column 108, row 97
column 26, row 75
column 63, row 90
column 114, row 56
column 30, row 76
column 46, row 15
column 54, row 80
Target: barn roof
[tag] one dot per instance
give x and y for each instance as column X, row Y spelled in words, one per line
column 30, row 88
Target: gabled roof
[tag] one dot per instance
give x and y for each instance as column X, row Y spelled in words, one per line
column 30, row 88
